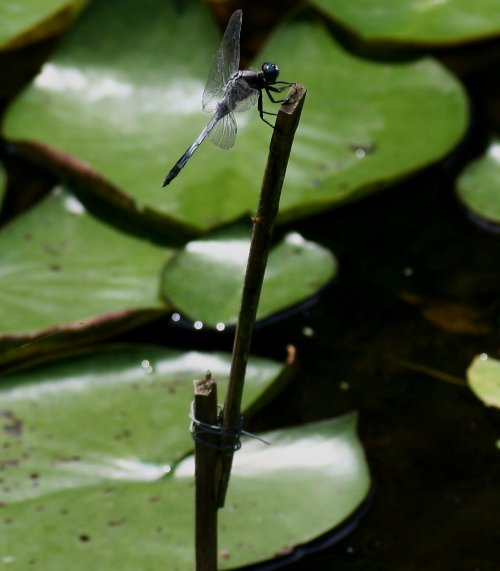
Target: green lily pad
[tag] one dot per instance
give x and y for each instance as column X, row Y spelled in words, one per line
column 27, row 21
column 420, row 22
column 121, row 96
column 483, row 376
column 478, row 187
column 93, row 468
column 305, row 483
column 65, row 274
column 365, row 124
column 204, row 281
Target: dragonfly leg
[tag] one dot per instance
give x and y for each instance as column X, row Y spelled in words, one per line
column 284, row 84
column 261, row 110
column 271, row 89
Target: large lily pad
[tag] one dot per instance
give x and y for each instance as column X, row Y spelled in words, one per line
column 366, row 124
column 93, row 470
column 204, row 281
column 121, row 95
column 63, row 272
column 478, row 187
column 424, row 22
column 483, row 377
column 26, row 21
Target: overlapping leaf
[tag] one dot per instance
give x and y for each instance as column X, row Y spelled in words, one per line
column 478, row 187
column 204, row 281
column 424, row 22
column 63, row 272
column 26, row 21
column 483, row 376
column 67, row 277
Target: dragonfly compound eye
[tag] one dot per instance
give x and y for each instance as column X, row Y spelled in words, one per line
column 270, row 71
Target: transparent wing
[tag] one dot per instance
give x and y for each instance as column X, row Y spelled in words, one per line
column 244, row 96
column 224, row 64
column 230, row 46
column 224, row 132
column 214, row 88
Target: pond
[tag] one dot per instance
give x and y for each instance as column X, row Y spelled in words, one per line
column 414, row 300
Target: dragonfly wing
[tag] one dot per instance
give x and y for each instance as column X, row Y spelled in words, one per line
column 224, row 132
column 225, row 64
column 230, row 46
column 246, row 96
column 214, row 88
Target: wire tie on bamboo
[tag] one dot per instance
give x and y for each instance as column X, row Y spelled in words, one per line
column 198, row 428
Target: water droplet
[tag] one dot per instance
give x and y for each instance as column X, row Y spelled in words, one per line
column 494, row 152
column 147, row 367
column 167, row 469
column 350, row 550
column 483, row 356
column 73, row 205
column 307, row 331
column 361, row 150
column 220, row 326
column 295, row 239
column 176, row 317
column 198, row 325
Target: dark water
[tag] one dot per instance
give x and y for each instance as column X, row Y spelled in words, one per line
column 416, row 300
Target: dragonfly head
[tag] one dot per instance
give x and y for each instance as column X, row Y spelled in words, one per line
column 271, row 72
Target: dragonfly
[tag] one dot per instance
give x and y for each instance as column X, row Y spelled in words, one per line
column 230, row 89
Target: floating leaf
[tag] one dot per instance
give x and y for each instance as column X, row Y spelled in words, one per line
column 63, row 272
column 121, row 96
column 478, row 187
column 451, row 316
column 483, row 376
column 365, row 124
column 421, row 22
column 306, row 482
column 93, row 470
column 27, row 21
column 205, row 280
